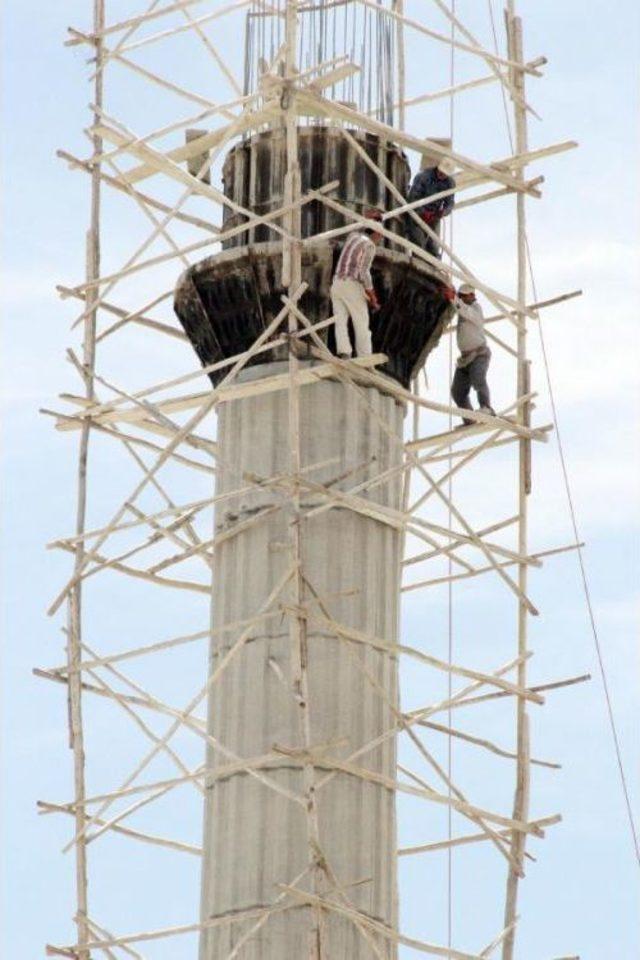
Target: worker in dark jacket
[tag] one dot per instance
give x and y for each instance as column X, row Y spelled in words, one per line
column 430, row 181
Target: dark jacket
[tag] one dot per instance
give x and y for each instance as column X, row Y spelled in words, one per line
column 427, row 183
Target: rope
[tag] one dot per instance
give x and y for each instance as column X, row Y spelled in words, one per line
column 585, row 581
column 452, row 70
column 574, row 521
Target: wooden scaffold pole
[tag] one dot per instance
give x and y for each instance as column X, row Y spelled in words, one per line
column 74, row 606
column 292, row 276
column 521, row 798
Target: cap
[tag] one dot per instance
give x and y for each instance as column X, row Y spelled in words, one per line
column 466, row 288
column 446, row 165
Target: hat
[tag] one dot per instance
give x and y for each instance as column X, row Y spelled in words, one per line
column 466, row 288
column 446, row 165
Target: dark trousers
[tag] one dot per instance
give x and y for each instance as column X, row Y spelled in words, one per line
column 422, row 239
column 473, row 375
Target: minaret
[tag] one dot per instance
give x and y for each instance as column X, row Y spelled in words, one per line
column 258, row 838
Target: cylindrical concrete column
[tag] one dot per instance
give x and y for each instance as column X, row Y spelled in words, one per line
column 256, row 838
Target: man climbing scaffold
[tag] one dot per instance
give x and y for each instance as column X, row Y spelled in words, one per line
column 473, row 363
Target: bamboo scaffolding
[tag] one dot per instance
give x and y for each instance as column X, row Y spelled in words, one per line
column 91, row 688
column 539, row 688
column 226, row 109
column 492, row 528
column 425, row 712
column 182, row 433
column 464, row 270
column 161, row 163
column 165, row 932
column 463, row 841
column 343, row 370
column 75, row 163
column 163, row 532
column 450, row 578
column 515, row 588
column 276, row 382
column 74, row 601
column 130, row 712
column 147, row 322
column 516, row 94
column 97, row 409
column 170, row 643
column 131, row 23
column 129, row 832
column 286, row 92
column 473, row 47
column 378, row 927
column 487, row 744
column 79, row 37
column 251, row 221
column 183, row 716
column 522, row 789
column 399, row 717
column 394, row 649
column 460, row 271
column 100, row 931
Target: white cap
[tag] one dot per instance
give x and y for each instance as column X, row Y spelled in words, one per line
column 446, row 165
column 466, row 288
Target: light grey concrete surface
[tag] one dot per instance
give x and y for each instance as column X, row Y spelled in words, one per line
column 254, row 838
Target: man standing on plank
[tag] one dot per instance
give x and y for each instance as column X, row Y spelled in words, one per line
column 473, row 363
column 352, row 291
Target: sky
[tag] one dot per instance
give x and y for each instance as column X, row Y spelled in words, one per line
column 581, row 895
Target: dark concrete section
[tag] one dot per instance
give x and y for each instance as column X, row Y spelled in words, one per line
column 226, row 301
column 253, row 176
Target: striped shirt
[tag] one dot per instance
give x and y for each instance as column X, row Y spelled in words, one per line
column 356, row 259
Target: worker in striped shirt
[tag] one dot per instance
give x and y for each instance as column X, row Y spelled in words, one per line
column 352, row 291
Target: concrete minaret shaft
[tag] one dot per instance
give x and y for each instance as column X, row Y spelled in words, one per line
column 256, row 837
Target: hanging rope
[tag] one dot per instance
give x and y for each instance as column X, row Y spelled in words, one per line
column 452, row 74
column 574, row 521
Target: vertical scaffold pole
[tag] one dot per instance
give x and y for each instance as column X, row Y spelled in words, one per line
column 398, row 7
column 521, row 799
column 292, row 275
column 74, row 607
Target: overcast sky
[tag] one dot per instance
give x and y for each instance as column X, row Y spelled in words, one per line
column 580, row 897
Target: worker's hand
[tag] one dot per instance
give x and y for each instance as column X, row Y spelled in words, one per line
column 428, row 216
column 449, row 294
column 374, row 303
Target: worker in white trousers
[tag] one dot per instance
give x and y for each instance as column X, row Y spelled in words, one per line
column 352, row 291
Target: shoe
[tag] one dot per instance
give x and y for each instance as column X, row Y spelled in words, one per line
column 465, row 423
column 344, row 356
column 488, row 410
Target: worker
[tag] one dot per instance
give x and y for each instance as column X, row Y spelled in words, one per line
column 475, row 355
column 352, row 291
column 431, row 181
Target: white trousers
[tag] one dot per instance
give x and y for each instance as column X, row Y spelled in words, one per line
column 348, row 300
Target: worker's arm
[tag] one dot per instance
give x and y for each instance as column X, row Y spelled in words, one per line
column 471, row 312
column 364, row 270
column 365, row 276
column 418, row 188
column 448, row 202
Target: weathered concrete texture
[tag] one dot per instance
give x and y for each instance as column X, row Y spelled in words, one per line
column 226, row 301
column 254, row 170
column 255, row 838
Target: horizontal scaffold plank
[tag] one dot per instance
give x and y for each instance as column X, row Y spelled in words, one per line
column 236, row 391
